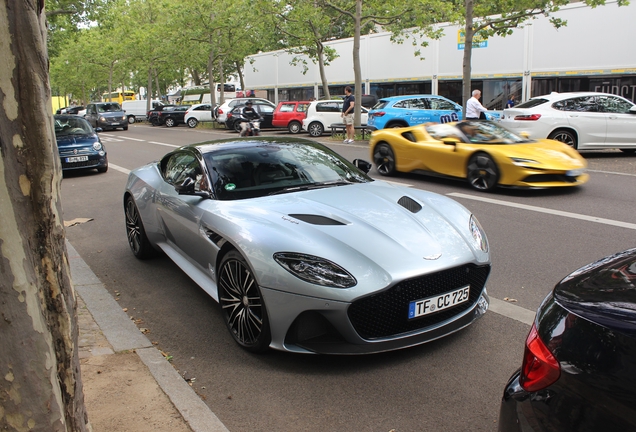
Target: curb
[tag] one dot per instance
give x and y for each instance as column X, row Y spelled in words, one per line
column 123, row 335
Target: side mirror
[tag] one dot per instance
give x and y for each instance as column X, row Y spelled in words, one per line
column 362, row 165
column 450, row 141
column 185, row 188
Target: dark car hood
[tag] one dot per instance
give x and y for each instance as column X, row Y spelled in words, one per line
column 76, row 140
column 603, row 292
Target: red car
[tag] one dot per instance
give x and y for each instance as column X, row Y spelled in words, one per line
column 290, row 115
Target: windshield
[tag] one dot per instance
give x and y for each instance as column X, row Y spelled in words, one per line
column 475, row 132
column 108, row 107
column 249, row 172
column 72, row 126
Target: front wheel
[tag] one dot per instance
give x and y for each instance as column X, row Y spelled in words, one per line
column 242, row 304
column 137, row 239
column 294, row 127
column 237, row 126
column 482, row 172
column 131, row 119
column 316, row 129
column 170, row 122
column 565, row 136
column 384, row 159
column 192, row 122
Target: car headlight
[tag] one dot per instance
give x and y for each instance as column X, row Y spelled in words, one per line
column 97, row 146
column 523, row 162
column 124, row 117
column 102, row 119
column 315, row 270
column 477, row 232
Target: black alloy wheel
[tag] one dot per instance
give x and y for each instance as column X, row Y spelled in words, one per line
column 384, row 159
column 137, row 239
column 482, row 172
column 242, row 304
column 294, row 127
column 565, row 136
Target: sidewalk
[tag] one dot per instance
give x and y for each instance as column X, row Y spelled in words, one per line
column 128, row 384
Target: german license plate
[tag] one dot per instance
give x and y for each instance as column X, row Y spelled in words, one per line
column 418, row 308
column 76, row 159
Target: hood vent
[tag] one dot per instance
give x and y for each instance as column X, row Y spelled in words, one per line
column 410, row 204
column 316, row 219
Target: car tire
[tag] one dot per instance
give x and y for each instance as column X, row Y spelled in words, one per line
column 628, row 151
column 131, row 119
column 482, row 172
column 192, row 122
column 384, row 159
column 315, row 129
column 137, row 239
column 396, row 125
column 125, row 128
column 154, row 122
column 170, row 122
column 102, row 169
column 294, row 127
column 242, row 304
column 565, row 136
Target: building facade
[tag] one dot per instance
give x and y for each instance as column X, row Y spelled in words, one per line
column 591, row 53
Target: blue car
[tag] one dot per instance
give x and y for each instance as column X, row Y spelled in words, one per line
column 78, row 145
column 403, row 111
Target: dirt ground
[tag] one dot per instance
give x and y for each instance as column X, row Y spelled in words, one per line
column 120, row 393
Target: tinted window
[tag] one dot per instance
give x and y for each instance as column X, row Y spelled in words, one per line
column 180, row 166
column 613, row 104
column 532, row 103
column 441, row 104
column 202, row 108
column 66, row 126
column 380, row 105
column 108, row 107
column 416, row 103
column 579, row 104
column 329, row 107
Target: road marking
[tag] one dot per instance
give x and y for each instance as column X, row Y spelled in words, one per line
column 506, row 309
column 612, row 172
column 548, row 211
column 163, row 144
column 111, row 139
column 118, row 168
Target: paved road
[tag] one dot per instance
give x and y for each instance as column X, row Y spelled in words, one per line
column 454, row 384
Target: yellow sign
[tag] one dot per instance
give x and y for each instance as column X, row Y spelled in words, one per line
column 478, row 40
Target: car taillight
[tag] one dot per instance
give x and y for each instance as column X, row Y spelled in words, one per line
column 539, row 368
column 530, row 117
column 220, row 111
column 378, row 114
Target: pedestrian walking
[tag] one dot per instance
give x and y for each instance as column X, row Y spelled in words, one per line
column 474, row 109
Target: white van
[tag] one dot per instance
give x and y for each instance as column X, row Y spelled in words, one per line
column 136, row 110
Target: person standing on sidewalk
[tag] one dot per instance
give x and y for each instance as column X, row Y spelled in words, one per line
column 347, row 115
column 474, row 108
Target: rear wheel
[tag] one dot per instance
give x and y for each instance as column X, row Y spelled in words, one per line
column 192, row 122
column 316, row 129
column 482, row 172
column 131, row 119
column 384, row 159
column 242, row 304
column 294, row 127
column 137, row 239
column 170, row 122
column 565, row 136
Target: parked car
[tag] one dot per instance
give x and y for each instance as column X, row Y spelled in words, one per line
column 367, row 101
column 137, row 110
column 106, row 115
column 235, row 117
column 290, row 115
column 70, row 110
column 226, row 107
column 78, row 144
column 480, row 151
column 583, row 120
column 298, row 274
column 411, row 110
column 199, row 113
column 153, row 115
column 322, row 114
column 579, row 364
column 170, row 116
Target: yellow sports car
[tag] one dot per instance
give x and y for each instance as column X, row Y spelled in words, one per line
column 482, row 152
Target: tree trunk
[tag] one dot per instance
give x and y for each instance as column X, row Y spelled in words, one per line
column 221, row 81
column 40, row 382
column 211, row 80
column 356, row 65
column 323, row 74
column 468, row 51
column 149, row 89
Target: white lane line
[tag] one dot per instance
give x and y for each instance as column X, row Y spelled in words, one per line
column 163, row 144
column 110, row 139
column 545, row 210
column 119, row 137
column 612, row 172
column 506, row 309
column 118, row 168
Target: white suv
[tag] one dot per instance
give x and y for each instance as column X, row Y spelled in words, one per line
column 228, row 105
column 322, row 114
column 198, row 113
column 583, row 120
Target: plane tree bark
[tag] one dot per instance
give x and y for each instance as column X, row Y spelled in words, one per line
column 40, row 382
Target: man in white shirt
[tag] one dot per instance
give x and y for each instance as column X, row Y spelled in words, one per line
column 473, row 107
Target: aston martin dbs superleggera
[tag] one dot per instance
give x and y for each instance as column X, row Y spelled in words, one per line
column 482, row 152
column 305, row 252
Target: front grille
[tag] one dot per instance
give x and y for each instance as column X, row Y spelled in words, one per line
column 386, row 313
column 549, row 178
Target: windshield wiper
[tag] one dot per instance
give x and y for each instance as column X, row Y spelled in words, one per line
column 319, row 185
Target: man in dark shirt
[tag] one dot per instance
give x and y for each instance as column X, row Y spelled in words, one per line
column 249, row 113
column 347, row 115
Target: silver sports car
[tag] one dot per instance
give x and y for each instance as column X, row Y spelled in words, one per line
column 304, row 251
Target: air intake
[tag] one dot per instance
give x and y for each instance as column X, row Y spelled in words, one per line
column 409, row 204
column 316, row 219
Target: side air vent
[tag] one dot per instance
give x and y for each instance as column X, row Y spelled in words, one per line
column 409, row 204
column 316, row 219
